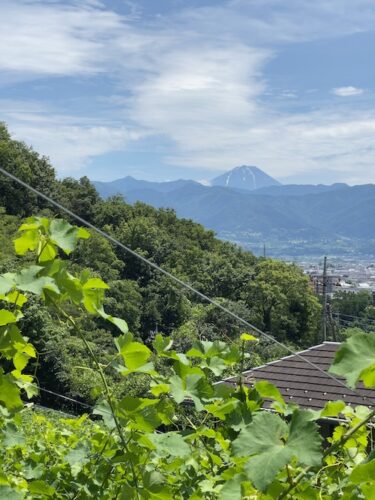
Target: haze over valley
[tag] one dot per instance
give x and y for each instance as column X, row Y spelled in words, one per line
column 247, row 206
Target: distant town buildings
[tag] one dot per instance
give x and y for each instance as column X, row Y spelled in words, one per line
column 348, row 276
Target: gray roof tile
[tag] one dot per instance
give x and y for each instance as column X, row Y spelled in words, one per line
column 301, row 383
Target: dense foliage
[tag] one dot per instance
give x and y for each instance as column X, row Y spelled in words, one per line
column 272, row 295
column 354, row 310
column 188, row 437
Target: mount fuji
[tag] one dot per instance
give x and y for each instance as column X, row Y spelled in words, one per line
column 245, row 177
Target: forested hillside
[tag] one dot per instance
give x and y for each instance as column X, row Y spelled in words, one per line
column 272, row 295
column 292, row 219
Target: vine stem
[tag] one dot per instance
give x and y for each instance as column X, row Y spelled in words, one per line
column 106, row 390
column 330, row 450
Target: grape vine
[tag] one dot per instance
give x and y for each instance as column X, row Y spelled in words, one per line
column 189, row 437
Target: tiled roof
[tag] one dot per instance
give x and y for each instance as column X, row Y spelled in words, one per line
column 301, row 383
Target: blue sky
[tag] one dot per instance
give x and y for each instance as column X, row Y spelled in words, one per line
column 166, row 89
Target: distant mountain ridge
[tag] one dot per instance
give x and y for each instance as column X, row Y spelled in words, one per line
column 283, row 213
column 126, row 184
column 300, row 189
column 245, row 177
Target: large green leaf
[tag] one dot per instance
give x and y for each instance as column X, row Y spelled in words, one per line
column 363, row 473
column 134, row 354
column 41, row 488
column 193, row 386
column 170, row 443
column 120, row 323
column 7, row 282
column 9, row 392
column 155, row 484
column 7, row 317
column 14, row 297
column 355, row 360
column 221, row 408
column 232, row 488
column 94, row 283
column 269, row 391
column 77, row 458
column 65, row 236
column 142, row 414
column 12, row 436
column 271, row 444
column 48, row 253
column 29, row 240
column 28, row 281
column 104, row 410
column 8, row 493
column 216, row 356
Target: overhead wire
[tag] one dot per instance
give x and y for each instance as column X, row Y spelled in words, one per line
column 353, row 317
column 347, row 323
column 61, row 396
column 174, row 278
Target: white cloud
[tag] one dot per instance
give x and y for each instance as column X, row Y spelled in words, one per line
column 42, row 38
column 268, row 22
column 69, row 142
column 199, row 96
column 194, row 77
column 347, row 91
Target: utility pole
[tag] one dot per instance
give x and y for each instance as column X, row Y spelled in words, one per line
column 264, row 251
column 324, row 319
column 332, row 324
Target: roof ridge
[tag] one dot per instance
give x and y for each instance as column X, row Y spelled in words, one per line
column 296, row 354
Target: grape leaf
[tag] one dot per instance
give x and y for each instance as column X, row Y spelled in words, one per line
column 120, row 323
column 8, row 493
column 247, row 337
column 9, row 392
column 28, row 281
column 269, row 391
column 355, row 360
column 29, row 240
column 271, row 444
column 12, row 436
column 363, row 473
column 232, row 488
column 134, row 354
column 65, row 236
column 193, row 386
column 7, row 282
column 170, row 443
column 94, row 283
column 77, row 458
column 41, row 488
column 7, row 317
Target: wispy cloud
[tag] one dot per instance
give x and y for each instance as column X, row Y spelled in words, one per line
column 347, row 91
column 70, row 142
column 43, row 38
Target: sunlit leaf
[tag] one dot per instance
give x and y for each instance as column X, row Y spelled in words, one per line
column 7, row 317
column 269, row 391
column 363, row 473
column 355, row 360
column 28, row 241
column 9, row 392
column 39, row 487
column 134, row 354
column 64, row 235
column 247, row 337
column 94, row 283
